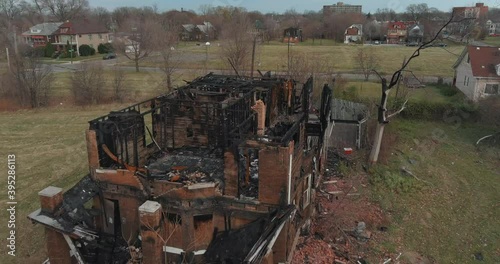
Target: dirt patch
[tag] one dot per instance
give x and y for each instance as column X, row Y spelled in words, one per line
column 343, row 205
column 415, row 258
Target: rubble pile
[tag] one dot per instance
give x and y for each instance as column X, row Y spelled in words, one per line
column 188, row 178
column 346, row 224
column 188, row 166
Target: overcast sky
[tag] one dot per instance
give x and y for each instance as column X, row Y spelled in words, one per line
column 282, row 5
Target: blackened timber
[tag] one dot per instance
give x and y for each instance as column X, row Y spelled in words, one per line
column 288, row 136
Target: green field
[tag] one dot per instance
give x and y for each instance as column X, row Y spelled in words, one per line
column 273, row 57
column 495, row 41
column 138, row 85
column 50, row 149
column 451, row 212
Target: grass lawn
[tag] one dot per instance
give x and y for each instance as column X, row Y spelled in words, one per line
column 372, row 90
column 495, row 41
column 273, row 57
column 138, row 85
column 452, row 212
column 50, row 149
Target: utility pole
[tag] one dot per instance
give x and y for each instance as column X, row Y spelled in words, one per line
column 207, row 44
column 253, row 55
column 288, row 37
column 15, row 42
column 8, row 58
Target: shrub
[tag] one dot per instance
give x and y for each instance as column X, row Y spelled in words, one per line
column 85, row 50
column 393, row 181
column 49, row 50
column 447, row 90
column 92, row 51
column 87, row 84
column 438, row 111
column 104, row 48
column 33, row 52
column 350, row 94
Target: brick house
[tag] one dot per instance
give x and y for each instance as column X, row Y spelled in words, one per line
column 477, row 11
column 397, row 31
column 222, row 170
column 80, row 32
column 41, row 34
column 477, row 72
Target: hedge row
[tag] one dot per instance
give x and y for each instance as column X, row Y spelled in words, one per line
column 439, row 111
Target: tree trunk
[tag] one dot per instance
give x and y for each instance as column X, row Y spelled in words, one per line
column 379, row 134
column 136, row 65
column 169, row 81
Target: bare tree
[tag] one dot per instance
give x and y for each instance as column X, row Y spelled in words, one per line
column 140, row 41
column 335, row 25
column 271, row 31
column 385, row 14
column 237, row 40
column 30, row 81
column 87, row 84
column 10, row 9
column 383, row 117
column 102, row 16
column 119, row 84
column 418, row 11
column 62, row 10
column 169, row 58
column 366, row 60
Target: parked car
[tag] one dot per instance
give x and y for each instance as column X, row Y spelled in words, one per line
column 376, row 42
column 109, row 56
column 439, row 44
column 412, row 44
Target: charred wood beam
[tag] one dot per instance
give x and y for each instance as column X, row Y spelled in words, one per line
column 288, row 136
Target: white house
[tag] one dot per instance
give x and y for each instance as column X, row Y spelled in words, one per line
column 477, row 72
column 353, row 33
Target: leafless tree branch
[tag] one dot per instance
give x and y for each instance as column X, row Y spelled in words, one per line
column 403, row 107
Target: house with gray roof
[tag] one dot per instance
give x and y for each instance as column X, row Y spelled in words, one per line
column 41, row 34
column 203, row 32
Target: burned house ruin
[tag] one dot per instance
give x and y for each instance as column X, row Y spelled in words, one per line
column 221, row 170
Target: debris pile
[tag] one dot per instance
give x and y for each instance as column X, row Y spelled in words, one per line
column 346, row 224
column 188, row 178
column 188, row 166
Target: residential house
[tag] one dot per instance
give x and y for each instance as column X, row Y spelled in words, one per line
column 80, row 32
column 493, row 28
column 292, row 34
column 354, row 33
column 204, row 32
column 477, row 72
column 397, row 31
column 41, row 34
column 222, row 170
column 415, row 33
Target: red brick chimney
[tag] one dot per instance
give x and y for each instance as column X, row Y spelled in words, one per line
column 260, row 108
